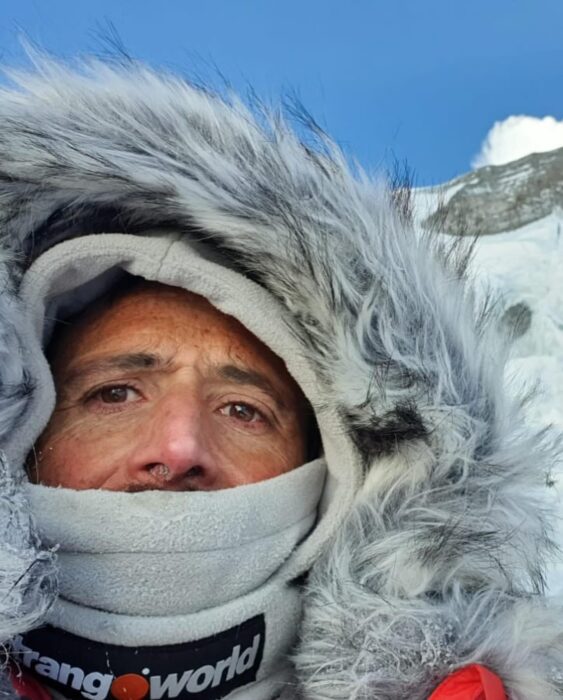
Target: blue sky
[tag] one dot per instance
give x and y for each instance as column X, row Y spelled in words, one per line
column 405, row 79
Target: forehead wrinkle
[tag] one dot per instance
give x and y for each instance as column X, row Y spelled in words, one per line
column 122, row 361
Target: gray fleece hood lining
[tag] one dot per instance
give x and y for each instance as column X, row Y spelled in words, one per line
column 88, row 265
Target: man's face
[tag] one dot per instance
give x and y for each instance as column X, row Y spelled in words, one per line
column 163, row 391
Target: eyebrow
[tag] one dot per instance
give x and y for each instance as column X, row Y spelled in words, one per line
column 248, row 377
column 124, row 362
column 144, row 360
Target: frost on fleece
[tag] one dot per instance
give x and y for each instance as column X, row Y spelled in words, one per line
column 439, row 563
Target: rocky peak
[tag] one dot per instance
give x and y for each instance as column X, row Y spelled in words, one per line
column 499, row 198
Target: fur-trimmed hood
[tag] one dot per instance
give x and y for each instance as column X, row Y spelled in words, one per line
column 439, row 562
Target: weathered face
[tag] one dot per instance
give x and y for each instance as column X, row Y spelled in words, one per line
column 163, row 391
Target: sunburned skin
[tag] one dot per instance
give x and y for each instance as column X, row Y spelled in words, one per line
column 163, row 391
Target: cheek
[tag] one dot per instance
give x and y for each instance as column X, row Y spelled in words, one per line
column 76, row 454
column 253, row 458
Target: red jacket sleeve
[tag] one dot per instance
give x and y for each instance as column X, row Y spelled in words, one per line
column 470, row 683
column 26, row 687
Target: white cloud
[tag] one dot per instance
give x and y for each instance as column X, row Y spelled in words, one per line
column 518, row 136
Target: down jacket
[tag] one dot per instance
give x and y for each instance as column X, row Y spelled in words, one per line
column 437, row 566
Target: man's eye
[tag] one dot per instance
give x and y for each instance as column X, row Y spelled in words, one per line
column 243, row 412
column 117, row 393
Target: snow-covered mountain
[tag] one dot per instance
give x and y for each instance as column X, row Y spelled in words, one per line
column 517, row 211
column 499, row 198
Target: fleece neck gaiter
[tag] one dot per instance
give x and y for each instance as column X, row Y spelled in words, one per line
column 166, row 595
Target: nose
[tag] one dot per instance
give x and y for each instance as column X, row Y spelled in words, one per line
column 171, row 450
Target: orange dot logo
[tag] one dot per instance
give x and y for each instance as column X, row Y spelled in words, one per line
column 130, row 686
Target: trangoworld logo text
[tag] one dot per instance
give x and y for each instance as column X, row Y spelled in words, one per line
column 207, row 669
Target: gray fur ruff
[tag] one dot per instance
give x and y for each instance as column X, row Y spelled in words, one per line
column 440, row 562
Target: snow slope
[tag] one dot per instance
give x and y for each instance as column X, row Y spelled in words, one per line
column 525, row 267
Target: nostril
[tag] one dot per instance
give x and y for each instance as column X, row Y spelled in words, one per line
column 194, row 472
column 160, row 471
column 163, row 472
